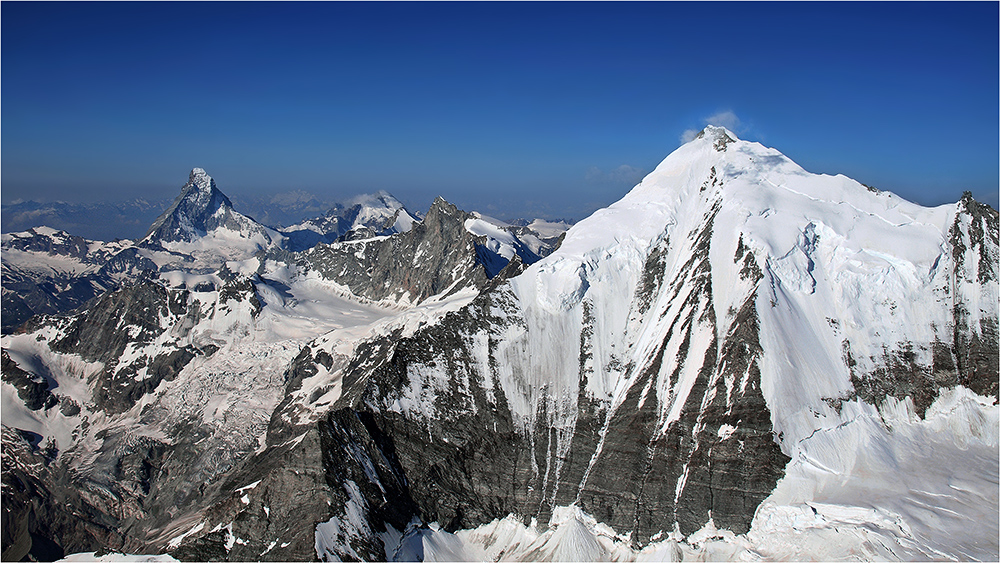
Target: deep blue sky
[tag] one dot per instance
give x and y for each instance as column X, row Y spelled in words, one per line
column 511, row 108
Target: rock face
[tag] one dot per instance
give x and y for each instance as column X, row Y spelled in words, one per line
column 974, row 239
column 33, row 389
column 40, row 519
column 481, row 463
column 114, row 331
column 437, row 256
column 121, row 472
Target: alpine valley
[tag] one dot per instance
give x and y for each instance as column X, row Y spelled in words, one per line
column 738, row 360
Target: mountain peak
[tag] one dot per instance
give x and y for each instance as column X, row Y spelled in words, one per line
column 718, row 135
column 441, row 205
column 381, row 198
column 201, row 179
column 199, row 208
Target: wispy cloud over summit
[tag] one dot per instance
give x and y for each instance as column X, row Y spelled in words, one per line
column 727, row 119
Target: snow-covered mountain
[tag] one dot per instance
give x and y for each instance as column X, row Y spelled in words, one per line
column 202, row 223
column 445, row 252
column 737, row 360
column 46, row 271
column 364, row 216
column 735, row 347
column 133, row 410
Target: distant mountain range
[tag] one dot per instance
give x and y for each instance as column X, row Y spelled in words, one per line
column 131, row 219
column 50, row 271
column 107, row 220
column 95, row 221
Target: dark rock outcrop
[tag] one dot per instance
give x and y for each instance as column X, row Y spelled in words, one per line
column 33, row 389
column 975, row 238
column 970, row 354
column 44, row 519
column 437, row 255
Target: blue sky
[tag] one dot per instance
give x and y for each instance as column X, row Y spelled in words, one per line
column 549, row 109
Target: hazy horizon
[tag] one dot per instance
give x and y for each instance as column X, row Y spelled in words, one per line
column 511, row 109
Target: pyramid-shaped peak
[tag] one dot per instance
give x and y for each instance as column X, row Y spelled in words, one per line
column 200, row 178
column 199, row 208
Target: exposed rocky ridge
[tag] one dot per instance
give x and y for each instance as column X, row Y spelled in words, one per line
column 436, row 256
column 975, row 238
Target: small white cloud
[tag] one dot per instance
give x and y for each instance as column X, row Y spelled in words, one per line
column 726, row 119
column 689, row 135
